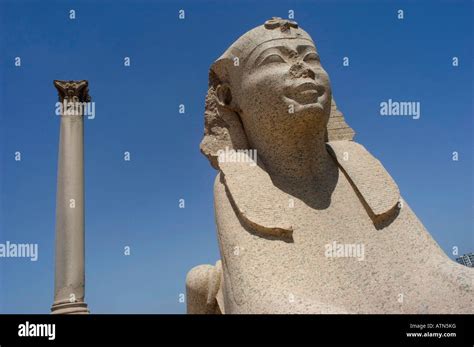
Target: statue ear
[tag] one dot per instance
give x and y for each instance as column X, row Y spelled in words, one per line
column 224, row 95
column 222, row 127
column 219, row 80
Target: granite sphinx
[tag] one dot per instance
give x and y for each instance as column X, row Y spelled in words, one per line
column 313, row 223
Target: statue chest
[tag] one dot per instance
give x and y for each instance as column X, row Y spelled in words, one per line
column 326, row 242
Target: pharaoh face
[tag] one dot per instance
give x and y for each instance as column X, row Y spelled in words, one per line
column 283, row 87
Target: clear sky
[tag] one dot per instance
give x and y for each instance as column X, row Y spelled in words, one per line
column 135, row 203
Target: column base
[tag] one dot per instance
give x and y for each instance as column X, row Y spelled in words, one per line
column 70, row 308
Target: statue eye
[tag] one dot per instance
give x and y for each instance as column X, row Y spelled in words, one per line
column 311, row 57
column 272, row 58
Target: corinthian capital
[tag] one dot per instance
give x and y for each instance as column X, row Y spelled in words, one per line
column 73, row 91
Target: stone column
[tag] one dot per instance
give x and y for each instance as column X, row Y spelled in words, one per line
column 69, row 272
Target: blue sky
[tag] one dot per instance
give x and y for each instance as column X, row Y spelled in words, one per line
column 135, row 203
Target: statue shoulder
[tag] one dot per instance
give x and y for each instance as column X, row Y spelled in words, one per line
column 259, row 206
column 373, row 184
column 263, row 209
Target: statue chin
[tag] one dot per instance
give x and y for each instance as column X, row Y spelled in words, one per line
column 316, row 108
column 341, row 241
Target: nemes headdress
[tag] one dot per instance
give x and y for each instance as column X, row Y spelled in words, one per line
column 273, row 29
column 223, row 128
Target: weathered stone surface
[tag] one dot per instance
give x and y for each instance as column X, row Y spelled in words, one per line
column 282, row 222
column 369, row 178
column 202, row 287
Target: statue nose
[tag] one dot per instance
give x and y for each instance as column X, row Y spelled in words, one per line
column 301, row 70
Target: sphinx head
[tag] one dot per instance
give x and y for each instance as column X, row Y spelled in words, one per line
column 268, row 85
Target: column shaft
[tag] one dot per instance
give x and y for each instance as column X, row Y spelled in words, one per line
column 70, row 275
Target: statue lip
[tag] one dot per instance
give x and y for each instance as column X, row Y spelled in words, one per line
column 305, row 86
column 306, row 92
column 310, row 87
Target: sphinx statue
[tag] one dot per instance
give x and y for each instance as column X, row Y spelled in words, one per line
column 313, row 223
